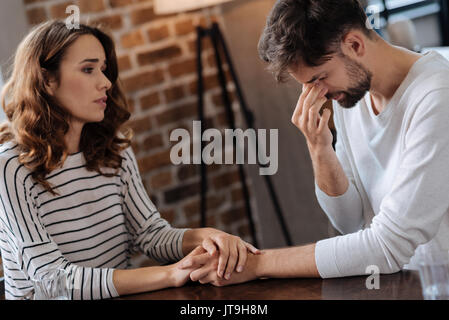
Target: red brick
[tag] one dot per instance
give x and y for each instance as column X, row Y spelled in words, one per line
column 91, row 5
column 244, row 231
column 182, row 68
column 237, row 195
column 152, row 142
column 124, row 63
column 119, row 3
column 217, row 98
column 158, row 34
column 181, row 192
column 132, row 39
column 140, row 125
column 150, row 101
column 174, row 94
column 209, row 82
column 187, row 171
column 112, row 22
column 206, row 44
column 36, row 15
column 226, row 179
column 168, row 214
column 158, row 55
column 161, row 180
column 143, row 80
column 139, row 16
column 212, row 202
column 233, row 215
column 57, row 11
column 158, row 160
column 184, row 27
column 176, row 114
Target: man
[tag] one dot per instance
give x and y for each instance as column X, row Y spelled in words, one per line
column 386, row 187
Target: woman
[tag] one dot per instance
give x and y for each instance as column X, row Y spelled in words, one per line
column 71, row 196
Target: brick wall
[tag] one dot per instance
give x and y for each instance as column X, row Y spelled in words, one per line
column 157, row 68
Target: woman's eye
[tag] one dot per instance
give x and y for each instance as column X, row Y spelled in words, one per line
column 88, row 70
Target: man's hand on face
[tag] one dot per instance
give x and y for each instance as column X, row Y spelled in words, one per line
column 308, row 119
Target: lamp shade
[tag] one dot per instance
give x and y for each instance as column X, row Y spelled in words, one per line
column 173, row 6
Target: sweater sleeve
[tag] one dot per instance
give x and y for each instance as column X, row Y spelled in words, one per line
column 151, row 234
column 345, row 212
column 29, row 247
column 410, row 214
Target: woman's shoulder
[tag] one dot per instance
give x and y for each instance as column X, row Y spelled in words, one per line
column 9, row 151
column 128, row 155
column 9, row 161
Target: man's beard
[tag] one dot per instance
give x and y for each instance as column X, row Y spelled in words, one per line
column 360, row 79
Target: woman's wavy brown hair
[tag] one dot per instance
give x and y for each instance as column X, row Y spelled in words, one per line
column 38, row 124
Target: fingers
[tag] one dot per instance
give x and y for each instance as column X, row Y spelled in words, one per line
column 314, row 112
column 324, row 122
column 309, row 100
column 252, row 248
column 313, row 102
column 232, row 261
column 223, row 259
column 209, row 246
column 195, row 261
column 200, row 274
column 299, row 106
column 243, row 255
column 198, row 250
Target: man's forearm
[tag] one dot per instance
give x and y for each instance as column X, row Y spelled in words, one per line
column 329, row 174
column 293, row 262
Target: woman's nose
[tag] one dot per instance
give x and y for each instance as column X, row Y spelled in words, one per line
column 105, row 82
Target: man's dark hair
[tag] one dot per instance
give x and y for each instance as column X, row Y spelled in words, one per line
column 308, row 31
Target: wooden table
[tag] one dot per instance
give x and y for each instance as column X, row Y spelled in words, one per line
column 404, row 285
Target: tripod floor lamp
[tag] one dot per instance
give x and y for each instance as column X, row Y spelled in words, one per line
column 220, row 48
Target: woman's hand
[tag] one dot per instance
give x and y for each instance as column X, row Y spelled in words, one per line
column 231, row 251
column 179, row 275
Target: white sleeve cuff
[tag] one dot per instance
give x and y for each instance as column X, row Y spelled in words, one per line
column 325, row 258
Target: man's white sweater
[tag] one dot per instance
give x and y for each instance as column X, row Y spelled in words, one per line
column 397, row 163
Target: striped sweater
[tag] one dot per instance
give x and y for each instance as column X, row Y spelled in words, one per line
column 91, row 228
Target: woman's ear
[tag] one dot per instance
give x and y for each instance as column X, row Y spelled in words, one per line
column 49, row 82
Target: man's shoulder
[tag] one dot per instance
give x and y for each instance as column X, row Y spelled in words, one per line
column 432, row 75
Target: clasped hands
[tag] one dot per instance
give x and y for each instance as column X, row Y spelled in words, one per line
column 215, row 260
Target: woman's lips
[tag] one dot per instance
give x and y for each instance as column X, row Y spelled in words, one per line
column 102, row 101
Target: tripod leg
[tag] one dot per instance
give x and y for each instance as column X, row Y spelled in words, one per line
column 200, row 33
